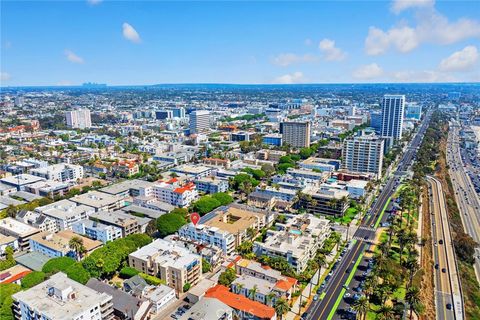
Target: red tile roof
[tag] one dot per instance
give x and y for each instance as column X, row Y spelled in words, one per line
column 286, row 284
column 16, row 277
column 240, row 302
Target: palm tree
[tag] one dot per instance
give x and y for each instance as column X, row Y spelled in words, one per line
column 76, row 244
column 386, row 312
column 252, row 292
column 412, row 267
column 281, row 307
column 270, row 297
column 239, row 287
column 361, row 306
column 413, row 298
column 369, row 286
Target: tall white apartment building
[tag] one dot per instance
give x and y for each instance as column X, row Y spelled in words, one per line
column 364, row 154
column 65, row 213
column 79, row 118
column 174, row 264
column 199, row 121
column 61, row 298
column 61, row 172
column 209, row 235
column 295, row 134
column 392, row 116
column 171, row 192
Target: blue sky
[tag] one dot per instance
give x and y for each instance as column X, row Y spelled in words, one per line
column 120, row 42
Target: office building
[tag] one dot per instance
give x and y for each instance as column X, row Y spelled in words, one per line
column 295, row 134
column 174, row 264
column 199, row 121
column 392, row 117
column 327, row 200
column 376, row 119
column 178, row 112
column 364, row 154
column 79, row 118
column 163, row 114
column 273, row 139
column 60, row 298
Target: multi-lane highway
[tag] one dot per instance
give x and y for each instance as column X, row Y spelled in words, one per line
column 448, row 298
column 334, row 290
column 465, row 195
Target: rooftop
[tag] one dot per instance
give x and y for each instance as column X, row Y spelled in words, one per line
column 67, row 301
column 96, row 199
column 232, row 219
column 207, row 308
column 19, row 228
column 21, row 179
column 126, row 186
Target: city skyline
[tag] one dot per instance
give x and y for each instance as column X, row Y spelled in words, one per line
column 242, row 43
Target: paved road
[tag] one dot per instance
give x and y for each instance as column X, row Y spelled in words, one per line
column 366, row 232
column 465, row 195
column 448, row 299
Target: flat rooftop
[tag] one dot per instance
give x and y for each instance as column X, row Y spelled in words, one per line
column 232, row 219
column 96, row 199
column 125, row 186
column 21, row 179
column 16, row 227
column 53, row 306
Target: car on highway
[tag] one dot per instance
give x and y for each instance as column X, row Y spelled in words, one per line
column 440, row 241
column 304, row 316
column 436, row 266
column 449, row 306
column 315, row 297
column 444, row 270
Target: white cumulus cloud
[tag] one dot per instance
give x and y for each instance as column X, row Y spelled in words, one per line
column 72, row 57
column 330, row 52
column 130, row 33
column 368, row 72
column 5, row 76
column 400, row 5
column 462, row 60
column 286, row 59
column 296, row 77
column 431, row 27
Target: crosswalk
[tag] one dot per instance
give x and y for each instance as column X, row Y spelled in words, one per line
column 367, row 229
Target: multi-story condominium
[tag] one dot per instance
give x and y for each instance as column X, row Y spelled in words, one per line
column 211, row 185
column 240, row 136
column 199, row 121
column 244, row 308
column 48, row 188
column 97, row 231
column 65, row 213
column 392, row 117
column 279, row 193
column 346, row 125
column 37, row 220
column 99, row 201
column 163, row 114
column 128, row 224
column 78, row 118
column 62, row 172
column 295, row 134
column 126, row 168
column 364, row 154
column 195, row 171
column 127, row 188
column 7, row 241
column 376, row 119
column 57, row 244
column 309, row 176
column 297, row 240
column 60, row 298
column 269, row 282
column 174, row 264
column 328, row 201
column 320, row 164
column 21, row 181
column 209, row 235
column 178, row 112
column 171, row 192
column 19, row 230
column 218, row 227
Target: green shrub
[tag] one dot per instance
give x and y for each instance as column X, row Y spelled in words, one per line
column 55, row 265
column 128, row 272
column 78, row 273
column 32, row 279
column 223, row 198
column 151, row 280
column 169, row 223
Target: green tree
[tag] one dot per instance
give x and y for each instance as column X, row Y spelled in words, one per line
column 76, row 244
column 9, row 261
column 32, row 279
column 6, row 300
column 362, row 306
column 128, row 272
column 205, row 204
column 227, row 277
column 206, row 266
column 186, row 287
column 223, row 198
column 281, row 307
column 412, row 296
column 169, row 223
column 78, row 273
column 55, row 265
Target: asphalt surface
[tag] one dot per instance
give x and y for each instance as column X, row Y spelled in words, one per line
column 465, row 194
column 445, row 269
column 322, row 309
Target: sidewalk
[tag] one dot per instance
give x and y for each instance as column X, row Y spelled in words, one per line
column 295, row 310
